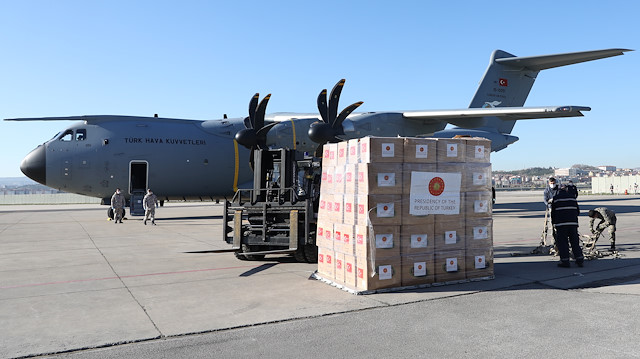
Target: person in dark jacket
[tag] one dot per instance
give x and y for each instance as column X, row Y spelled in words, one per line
column 550, row 191
column 564, row 216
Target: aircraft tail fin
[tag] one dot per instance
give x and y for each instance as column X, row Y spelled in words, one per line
column 509, row 79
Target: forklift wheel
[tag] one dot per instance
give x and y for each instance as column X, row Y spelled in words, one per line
column 246, row 249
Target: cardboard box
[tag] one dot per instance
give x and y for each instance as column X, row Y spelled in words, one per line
column 378, row 274
column 326, row 263
column 353, row 148
column 327, row 230
column 451, row 150
column 379, row 178
column 449, row 235
column 407, row 168
column 477, row 150
column 479, row 263
column 329, row 151
column 417, row 239
column 450, row 266
column 350, row 178
column 348, row 239
column 477, row 177
column 381, row 149
column 478, row 204
column 377, row 241
column 479, row 233
column 380, row 209
column 338, row 180
column 324, row 237
column 337, row 238
column 418, row 269
column 342, row 153
column 337, row 208
column 420, row 150
column 350, row 209
column 343, row 235
column 350, row 271
column 339, row 268
column 326, row 184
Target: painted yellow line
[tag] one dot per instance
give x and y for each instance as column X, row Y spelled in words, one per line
column 293, row 127
column 237, row 166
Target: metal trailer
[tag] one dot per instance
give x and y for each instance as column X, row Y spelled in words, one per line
column 279, row 214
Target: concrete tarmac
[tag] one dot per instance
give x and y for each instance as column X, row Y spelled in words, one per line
column 74, row 284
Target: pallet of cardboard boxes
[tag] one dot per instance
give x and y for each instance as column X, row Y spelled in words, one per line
column 404, row 212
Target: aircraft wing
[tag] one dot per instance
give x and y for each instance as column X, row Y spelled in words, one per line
column 97, row 118
column 464, row 116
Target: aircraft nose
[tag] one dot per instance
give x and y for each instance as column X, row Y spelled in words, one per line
column 34, row 165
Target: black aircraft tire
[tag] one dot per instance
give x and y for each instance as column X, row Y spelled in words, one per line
column 311, row 253
column 110, row 213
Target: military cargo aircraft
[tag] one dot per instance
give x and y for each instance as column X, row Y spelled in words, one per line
column 194, row 159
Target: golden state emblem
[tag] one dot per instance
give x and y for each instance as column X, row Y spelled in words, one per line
column 436, row 186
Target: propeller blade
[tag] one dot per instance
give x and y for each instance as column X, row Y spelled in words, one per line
column 253, row 104
column 337, row 124
column 262, row 107
column 333, row 101
column 322, row 105
column 262, row 135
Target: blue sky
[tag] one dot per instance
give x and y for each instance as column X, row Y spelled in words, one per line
column 202, row 59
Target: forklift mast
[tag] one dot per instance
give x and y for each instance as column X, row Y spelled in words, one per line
column 278, row 215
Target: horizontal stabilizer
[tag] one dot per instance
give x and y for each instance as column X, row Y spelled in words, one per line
column 537, row 63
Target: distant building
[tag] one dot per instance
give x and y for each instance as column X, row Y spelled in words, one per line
column 621, row 184
column 607, row 168
column 569, row 172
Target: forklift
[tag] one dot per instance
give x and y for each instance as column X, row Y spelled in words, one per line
column 279, row 214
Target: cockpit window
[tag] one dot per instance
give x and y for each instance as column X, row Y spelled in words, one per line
column 81, row 134
column 66, row 136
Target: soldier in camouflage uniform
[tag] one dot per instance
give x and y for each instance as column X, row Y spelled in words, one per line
column 149, row 204
column 607, row 219
column 118, row 203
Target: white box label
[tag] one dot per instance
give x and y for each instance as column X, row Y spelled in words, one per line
column 452, row 264
column 481, row 262
column 420, row 269
column 479, row 151
column 481, row 206
column 479, row 179
column 418, row 241
column 480, row 232
column 422, row 151
column 388, row 150
column 452, row 150
column 385, row 272
column 434, row 193
column 385, row 210
column 450, row 237
column 386, row 179
column 384, row 240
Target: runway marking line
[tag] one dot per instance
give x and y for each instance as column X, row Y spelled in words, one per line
column 124, row 276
